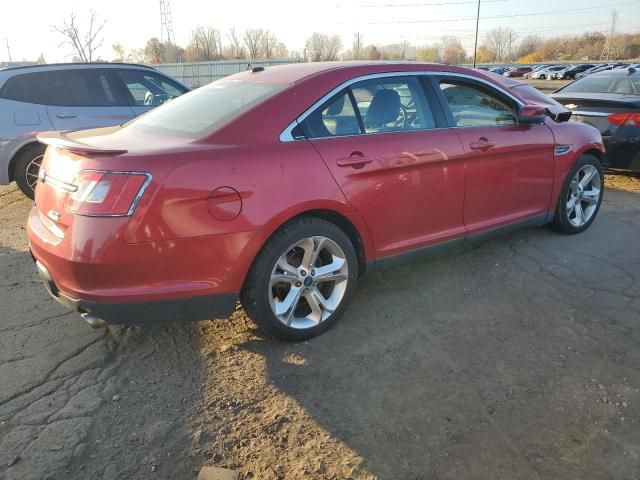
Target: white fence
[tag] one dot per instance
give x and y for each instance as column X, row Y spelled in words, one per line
column 196, row 74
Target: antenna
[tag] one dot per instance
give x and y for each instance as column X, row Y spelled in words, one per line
column 612, row 31
column 8, row 49
column 166, row 23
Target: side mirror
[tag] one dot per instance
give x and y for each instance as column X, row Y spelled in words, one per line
column 531, row 114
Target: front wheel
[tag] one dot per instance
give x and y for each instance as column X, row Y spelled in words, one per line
column 302, row 280
column 581, row 196
column 27, row 168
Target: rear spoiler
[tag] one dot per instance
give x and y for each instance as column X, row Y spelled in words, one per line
column 64, row 141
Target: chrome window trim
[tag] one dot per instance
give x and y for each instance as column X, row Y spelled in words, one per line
column 589, row 114
column 287, row 136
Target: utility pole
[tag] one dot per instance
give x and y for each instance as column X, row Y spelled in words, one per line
column 8, row 49
column 475, row 46
column 357, row 45
column 612, row 31
column 166, row 22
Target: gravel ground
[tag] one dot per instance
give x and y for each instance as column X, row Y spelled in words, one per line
column 517, row 359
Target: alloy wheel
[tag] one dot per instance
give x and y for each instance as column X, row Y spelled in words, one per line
column 583, row 195
column 308, row 282
column 32, row 171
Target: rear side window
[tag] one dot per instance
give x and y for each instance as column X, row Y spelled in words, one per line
column 335, row 118
column 474, row 106
column 149, row 88
column 30, row 88
column 390, row 105
column 85, row 88
column 372, row 106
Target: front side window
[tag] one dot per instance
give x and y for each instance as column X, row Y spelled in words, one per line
column 474, row 106
column 29, row 88
column 84, row 88
column 149, row 88
column 201, row 111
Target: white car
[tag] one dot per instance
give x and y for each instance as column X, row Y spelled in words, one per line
column 546, row 72
column 558, row 74
column 69, row 96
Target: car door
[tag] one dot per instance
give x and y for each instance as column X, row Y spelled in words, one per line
column 147, row 89
column 397, row 166
column 86, row 98
column 508, row 166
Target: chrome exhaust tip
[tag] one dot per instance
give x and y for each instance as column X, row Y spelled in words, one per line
column 93, row 321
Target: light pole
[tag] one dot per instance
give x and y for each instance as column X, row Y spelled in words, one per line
column 475, row 46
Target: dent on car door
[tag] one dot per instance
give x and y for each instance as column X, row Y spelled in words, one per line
column 509, row 166
column 403, row 174
column 80, row 99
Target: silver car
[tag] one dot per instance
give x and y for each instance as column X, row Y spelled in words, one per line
column 69, row 97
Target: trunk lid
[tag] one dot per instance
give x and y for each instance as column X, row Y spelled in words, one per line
column 594, row 108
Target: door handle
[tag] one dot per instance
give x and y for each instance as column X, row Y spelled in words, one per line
column 482, row 144
column 356, row 160
column 66, row 115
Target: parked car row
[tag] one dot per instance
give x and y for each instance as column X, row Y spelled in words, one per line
column 557, row 72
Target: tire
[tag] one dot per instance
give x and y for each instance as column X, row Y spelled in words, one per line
column 277, row 276
column 542, row 77
column 566, row 219
column 26, row 168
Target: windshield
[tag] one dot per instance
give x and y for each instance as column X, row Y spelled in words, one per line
column 203, row 110
column 602, row 83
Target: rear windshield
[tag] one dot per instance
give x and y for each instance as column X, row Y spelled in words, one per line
column 603, row 83
column 203, row 110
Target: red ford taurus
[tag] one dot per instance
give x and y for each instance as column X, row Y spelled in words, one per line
column 282, row 186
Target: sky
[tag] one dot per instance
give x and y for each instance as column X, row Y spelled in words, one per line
column 27, row 25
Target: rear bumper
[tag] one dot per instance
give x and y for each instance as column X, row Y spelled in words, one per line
column 623, row 148
column 126, row 313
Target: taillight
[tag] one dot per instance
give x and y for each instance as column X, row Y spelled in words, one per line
column 106, row 194
column 625, row 118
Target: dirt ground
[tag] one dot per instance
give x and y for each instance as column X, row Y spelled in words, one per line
column 518, row 359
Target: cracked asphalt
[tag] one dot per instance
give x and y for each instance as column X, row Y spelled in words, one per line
column 516, row 359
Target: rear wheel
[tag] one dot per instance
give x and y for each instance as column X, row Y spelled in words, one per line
column 302, row 280
column 542, row 77
column 27, row 167
column 581, row 196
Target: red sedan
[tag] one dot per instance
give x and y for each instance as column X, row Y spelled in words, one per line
column 518, row 72
column 281, row 187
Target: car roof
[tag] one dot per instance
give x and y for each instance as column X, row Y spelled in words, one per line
column 11, row 71
column 295, row 72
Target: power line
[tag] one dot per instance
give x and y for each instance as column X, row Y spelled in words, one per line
column 466, row 19
column 435, row 4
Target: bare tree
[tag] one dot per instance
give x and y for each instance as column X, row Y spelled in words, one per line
column 500, row 41
column 84, row 44
column 320, row 47
column 268, row 44
column 205, row 44
column 253, row 42
column 235, row 48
